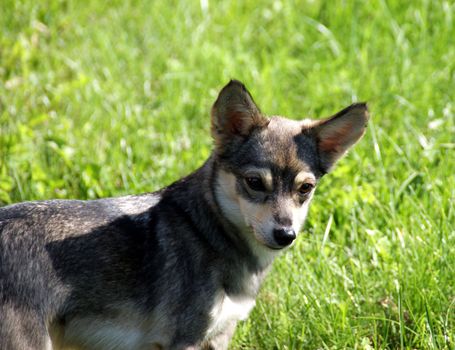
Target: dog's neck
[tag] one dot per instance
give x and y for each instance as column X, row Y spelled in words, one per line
column 235, row 226
column 247, row 263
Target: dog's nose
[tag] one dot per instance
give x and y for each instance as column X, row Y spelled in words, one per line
column 284, row 236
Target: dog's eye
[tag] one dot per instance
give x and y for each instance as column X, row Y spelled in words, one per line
column 305, row 188
column 255, row 183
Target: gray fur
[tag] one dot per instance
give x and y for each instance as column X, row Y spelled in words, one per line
column 154, row 271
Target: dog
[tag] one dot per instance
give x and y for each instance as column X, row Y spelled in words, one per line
column 177, row 268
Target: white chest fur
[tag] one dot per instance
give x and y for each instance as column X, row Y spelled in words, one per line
column 228, row 309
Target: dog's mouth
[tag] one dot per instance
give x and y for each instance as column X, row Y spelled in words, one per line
column 276, row 248
column 261, row 239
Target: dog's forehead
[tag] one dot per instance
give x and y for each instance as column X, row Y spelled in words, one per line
column 285, row 126
column 283, row 145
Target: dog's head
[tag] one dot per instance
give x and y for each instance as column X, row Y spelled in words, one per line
column 269, row 166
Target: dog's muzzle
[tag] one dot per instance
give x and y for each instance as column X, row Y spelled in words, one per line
column 284, row 236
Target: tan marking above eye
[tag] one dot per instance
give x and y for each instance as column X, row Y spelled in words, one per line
column 304, row 177
column 264, row 174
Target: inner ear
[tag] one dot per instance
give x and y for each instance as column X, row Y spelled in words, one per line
column 235, row 113
column 335, row 135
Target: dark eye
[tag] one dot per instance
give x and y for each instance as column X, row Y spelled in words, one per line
column 305, row 188
column 255, row 183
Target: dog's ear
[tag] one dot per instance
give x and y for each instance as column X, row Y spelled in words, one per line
column 235, row 113
column 335, row 135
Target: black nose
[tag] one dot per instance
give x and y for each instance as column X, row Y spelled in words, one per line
column 284, row 236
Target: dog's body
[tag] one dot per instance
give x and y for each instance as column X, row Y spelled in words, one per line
column 175, row 269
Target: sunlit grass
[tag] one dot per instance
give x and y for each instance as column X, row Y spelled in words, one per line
column 108, row 98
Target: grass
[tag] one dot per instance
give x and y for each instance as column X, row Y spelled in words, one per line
column 108, row 98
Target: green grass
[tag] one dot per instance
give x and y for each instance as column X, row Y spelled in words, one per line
column 112, row 97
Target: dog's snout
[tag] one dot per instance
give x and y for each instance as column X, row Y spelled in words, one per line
column 284, row 236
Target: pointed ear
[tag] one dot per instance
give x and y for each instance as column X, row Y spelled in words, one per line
column 335, row 135
column 235, row 113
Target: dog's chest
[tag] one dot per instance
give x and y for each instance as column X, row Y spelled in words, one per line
column 226, row 310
